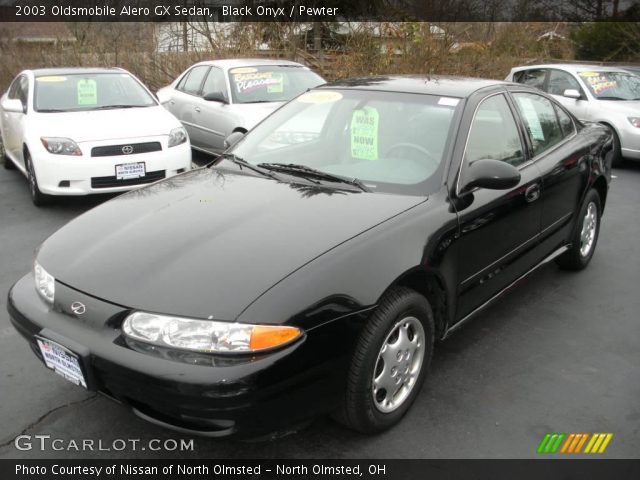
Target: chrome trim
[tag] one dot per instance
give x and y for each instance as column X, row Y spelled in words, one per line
column 200, row 127
column 479, row 272
column 562, row 218
column 478, row 309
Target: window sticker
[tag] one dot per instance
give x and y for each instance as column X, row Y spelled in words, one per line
column 244, row 70
column 51, row 79
column 87, row 92
column 531, row 117
column 448, row 101
column 601, row 84
column 248, row 82
column 364, row 134
column 319, row 96
column 589, row 74
column 278, row 84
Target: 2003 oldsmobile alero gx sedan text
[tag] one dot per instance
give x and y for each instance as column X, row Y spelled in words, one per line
column 310, row 269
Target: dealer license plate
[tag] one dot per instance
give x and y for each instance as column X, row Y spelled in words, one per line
column 126, row 171
column 61, row 360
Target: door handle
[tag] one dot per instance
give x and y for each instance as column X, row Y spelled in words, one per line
column 172, row 102
column 532, row 193
column 197, row 109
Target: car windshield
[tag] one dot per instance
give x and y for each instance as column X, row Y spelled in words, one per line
column 612, row 85
column 270, row 83
column 93, row 91
column 390, row 142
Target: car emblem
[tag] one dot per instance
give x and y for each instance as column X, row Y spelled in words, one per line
column 127, row 149
column 78, row 308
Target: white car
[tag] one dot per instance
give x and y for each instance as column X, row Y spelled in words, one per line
column 77, row 131
column 607, row 95
column 216, row 98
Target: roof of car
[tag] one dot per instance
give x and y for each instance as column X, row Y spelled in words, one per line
column 248, row 62
column 425, row 84
column 42, row 72
column 574, row 67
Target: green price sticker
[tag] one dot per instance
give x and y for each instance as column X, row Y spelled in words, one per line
column 277, row 85
column 364, row 134
column 87, row 92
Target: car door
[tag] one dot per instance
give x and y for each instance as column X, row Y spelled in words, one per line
column 186, row 103
column 214, row 116
column 498, row 228
column 560, row 157
column 559, row 81
column 13, row 123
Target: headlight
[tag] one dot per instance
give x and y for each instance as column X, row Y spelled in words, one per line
column 61, row 146
column 635, row 121
column 205, row 335
column 45, row 283
column 177, row 136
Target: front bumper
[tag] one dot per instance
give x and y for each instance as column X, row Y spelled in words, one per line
column 630, row 142
column 240, row 396
column 82, row 175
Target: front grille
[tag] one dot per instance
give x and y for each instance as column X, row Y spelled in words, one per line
column 108, row 182
column 115, row 150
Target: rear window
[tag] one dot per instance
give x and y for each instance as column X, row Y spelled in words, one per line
column 270, row 83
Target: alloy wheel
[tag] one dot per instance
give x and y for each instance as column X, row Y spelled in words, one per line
column 589, row 227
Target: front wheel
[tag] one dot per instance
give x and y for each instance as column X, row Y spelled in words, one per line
column 37, row 197
column 585, row 235
column 390, row 362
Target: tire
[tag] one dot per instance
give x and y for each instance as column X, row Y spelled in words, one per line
column 403, row 317
column 585, row 234
column 8, row 164
column 38, row 198
column 617, row 160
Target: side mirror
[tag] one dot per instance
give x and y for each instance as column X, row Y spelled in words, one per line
column 232, row 139
column 572, row 93
column 492, row 174
column 215, row 97
column 12, row 105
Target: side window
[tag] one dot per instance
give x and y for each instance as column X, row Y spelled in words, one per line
column 494, row 133
column 560, row 81
column 19, row 89
column 566, row 122
column 539, row 117
column 215, row 82
column 533, row 78
column 193, row 80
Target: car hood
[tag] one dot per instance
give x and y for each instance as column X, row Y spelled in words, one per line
column 207, row 243
column 253, row 113
column 97, row 125
column 630, row 107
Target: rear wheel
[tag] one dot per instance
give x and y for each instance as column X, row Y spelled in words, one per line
column 390, row 362
column 37, row 197
column 8, row 164
column 585, row 235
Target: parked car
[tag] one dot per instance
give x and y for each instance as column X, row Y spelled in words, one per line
column 631, row 68
column 309, row 269
column 77, row 131
column 607, row 95
column 216, row 98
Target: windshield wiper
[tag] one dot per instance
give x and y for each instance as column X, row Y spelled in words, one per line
column 52, row 110
column 303, row 170
column 241, row 162
column 109, row 107
column 612, row 98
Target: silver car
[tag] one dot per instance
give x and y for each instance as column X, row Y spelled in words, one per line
column 215, row 98
column 607, row 95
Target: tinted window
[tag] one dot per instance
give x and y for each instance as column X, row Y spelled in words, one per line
column 566, row 123
column 560, row 81
column 494, row 133
column 192, row 82
column 533, row 78
column 215, row 82
column 270, row 83
column 539, row 117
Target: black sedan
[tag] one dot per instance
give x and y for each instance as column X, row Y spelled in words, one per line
column 311, row 267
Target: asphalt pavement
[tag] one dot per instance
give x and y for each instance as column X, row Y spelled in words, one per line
column 561, row 353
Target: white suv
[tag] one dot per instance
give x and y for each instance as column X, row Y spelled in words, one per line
column 607, row 95
column 76, row 131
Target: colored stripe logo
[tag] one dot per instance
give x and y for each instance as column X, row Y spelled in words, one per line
column 574, row 443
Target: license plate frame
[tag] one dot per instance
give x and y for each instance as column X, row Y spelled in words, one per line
column 128, row 171
column 62, row 361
